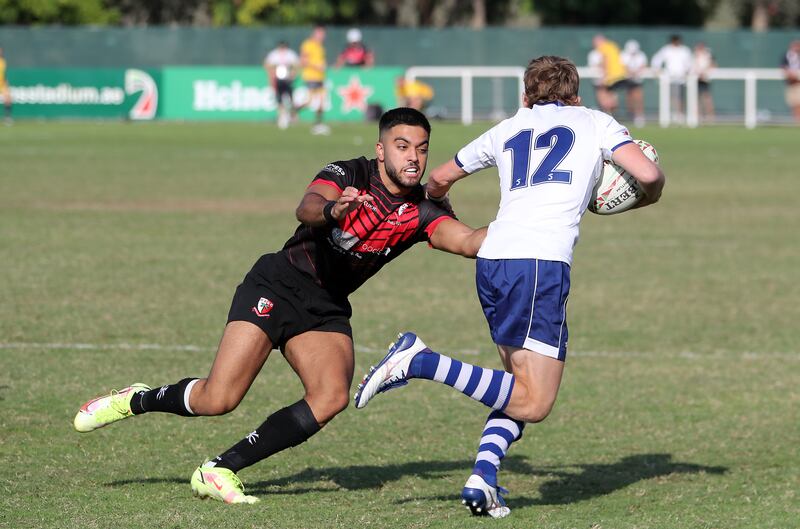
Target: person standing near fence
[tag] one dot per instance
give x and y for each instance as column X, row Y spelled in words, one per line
column 312, row 61
column 614, row 75
column 355, row 54
column 281, row 67
column 702, row 64
column 791, row 71
column 5, row 93
column 635, row 62
column 675, row 59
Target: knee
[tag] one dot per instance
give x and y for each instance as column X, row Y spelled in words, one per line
column 220, row 406
column 328, row 404
column 535, row 412
column 206, row 402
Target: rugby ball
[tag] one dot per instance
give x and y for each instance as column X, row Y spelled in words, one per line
column 616, row 190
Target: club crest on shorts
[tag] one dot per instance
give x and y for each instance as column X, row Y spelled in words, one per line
column 263, row 307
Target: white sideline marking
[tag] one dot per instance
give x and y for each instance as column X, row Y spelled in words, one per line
column 688, row 355
column 99, row 347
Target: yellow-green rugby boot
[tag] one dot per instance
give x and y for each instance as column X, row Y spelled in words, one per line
column 219, row 484
column 104, row 410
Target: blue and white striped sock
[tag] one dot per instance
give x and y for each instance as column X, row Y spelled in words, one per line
column 498, row 434
column 491, row 387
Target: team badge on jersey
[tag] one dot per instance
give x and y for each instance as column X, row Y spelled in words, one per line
column 263, row 307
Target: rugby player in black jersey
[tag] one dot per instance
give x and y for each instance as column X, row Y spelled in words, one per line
column 355, row 217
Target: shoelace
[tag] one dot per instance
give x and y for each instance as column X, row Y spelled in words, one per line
column 116, row 402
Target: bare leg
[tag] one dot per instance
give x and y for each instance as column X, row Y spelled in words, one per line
column 242, row 352
column 324, row 362
column 537, row 379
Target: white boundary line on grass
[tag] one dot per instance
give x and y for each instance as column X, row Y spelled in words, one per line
column 747, row 355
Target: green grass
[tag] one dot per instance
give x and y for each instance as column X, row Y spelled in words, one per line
column 679, row 406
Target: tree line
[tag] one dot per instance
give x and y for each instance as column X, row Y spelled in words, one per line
column 758, row 14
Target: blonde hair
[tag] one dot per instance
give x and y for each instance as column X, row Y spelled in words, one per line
column 551, row 79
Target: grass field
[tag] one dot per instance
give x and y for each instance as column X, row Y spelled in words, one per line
column 120, row 248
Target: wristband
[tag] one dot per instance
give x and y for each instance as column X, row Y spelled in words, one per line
column 438, row 200
column 327, row 212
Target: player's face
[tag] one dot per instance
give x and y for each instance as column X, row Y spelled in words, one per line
column 403, row 152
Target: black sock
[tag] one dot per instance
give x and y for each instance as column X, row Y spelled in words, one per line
column 283, row 429
column 169, row 399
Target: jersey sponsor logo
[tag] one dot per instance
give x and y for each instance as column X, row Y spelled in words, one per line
column 366, row 247
column 263, row 307
column 333, row 168
column 344, row 239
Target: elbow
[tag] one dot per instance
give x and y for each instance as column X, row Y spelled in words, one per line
column 654, row 186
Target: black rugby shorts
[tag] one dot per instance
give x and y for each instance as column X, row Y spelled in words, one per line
column 284, row 302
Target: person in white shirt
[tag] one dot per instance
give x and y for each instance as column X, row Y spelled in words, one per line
column 702, row 64
column 675, row 58
column 635, row 62
column 548, row 156
column 791, row 71
column 281, row 66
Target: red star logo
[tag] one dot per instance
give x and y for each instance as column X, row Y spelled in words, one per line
column 354, row 95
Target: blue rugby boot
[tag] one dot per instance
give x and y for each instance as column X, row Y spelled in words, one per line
column 483, row 499
column 392, row 371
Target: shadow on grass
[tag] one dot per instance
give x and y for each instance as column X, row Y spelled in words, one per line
column 592, row 480
column 563, row 486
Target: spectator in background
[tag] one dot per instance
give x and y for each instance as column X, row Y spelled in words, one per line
column 281, row 67
column 675, row 59
column 594, row 60
column 614, row 75
column 5, row 93
column 791, row 70
column 635, row 62
column 702, row 64
column 413, row 93
column 312, row 61
column 355, row 53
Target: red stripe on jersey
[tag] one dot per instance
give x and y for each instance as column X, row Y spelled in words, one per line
column 384, row 198
column 328, row 183
column 430, row 228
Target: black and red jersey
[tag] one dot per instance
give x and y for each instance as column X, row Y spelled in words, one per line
column 341, row 258
column 355, row 54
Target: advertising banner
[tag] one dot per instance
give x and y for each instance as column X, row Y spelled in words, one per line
column 243, row 93
column 84, row 93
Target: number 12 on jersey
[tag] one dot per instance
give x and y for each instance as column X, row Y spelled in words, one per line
column 558, row 141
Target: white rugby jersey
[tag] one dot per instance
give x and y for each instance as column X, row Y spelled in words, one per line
column 549, row 158
column 283, row 59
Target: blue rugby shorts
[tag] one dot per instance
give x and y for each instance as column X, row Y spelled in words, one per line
column 525, row 303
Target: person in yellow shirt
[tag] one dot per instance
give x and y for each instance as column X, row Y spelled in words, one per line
column 313, row 65
column 5, row 93
column 614, row 76
column 413, row 94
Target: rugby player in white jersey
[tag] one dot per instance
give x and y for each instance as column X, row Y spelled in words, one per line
column 548, row 156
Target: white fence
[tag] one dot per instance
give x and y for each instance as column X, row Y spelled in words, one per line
column 749, row 76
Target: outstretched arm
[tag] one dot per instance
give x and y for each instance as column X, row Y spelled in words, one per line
column 442, row 178
column 323, row 204
column 649, row 175
column 456, row 237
